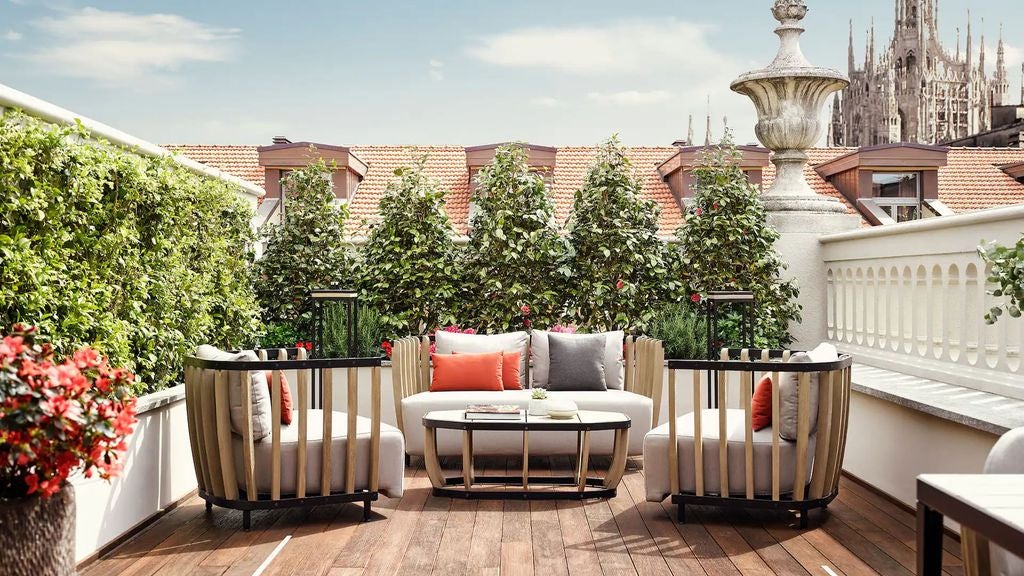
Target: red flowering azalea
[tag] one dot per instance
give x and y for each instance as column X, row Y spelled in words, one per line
column 386, row 346
column 527, row 323
column 699, row 211
column 59, row 417
column 695, row 298
column 525, row 309
column 619, row 284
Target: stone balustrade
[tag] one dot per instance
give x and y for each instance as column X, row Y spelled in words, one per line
column 912, row 298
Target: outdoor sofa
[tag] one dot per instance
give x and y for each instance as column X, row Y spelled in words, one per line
column 632, row 371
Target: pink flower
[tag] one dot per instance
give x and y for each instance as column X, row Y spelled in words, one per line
column 469, row 331
column 619, row 284
column 699, row 211
column 525, row 309
column 527, row 323
column 695, row 298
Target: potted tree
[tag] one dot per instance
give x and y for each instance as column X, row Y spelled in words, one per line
column 56, row 418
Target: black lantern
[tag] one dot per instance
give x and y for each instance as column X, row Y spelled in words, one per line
column 712, row 304
column 350, row 299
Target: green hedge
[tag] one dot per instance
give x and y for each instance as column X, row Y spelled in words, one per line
column 134, row 255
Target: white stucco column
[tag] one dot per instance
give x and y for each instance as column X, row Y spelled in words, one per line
column 789, row 95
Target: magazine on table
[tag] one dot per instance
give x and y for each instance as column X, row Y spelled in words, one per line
column 493, row 412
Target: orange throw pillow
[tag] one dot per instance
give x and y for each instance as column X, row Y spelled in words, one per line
column 761, row 404
column 509, row 370
column 466, row 372
column 286, row 397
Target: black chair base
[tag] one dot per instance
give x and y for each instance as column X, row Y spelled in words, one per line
column 803, row 506
column 264, row 503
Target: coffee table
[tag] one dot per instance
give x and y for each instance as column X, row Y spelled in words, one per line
column 584, row 486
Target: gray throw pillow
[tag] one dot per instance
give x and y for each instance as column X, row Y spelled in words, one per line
column 577, row 362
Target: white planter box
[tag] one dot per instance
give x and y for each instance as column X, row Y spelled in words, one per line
column 158, row 472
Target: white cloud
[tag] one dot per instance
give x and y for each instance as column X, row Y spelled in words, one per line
column 12, row 36
column 546, row 102
column 630, row 97
column 436, row 70
column 121, row 47
column 18, row 2
column 639, row 45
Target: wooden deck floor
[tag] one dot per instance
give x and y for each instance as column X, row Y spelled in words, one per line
column 860, row 533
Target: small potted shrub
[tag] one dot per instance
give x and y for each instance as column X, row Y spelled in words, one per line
column 538, row 402
column 57, row 418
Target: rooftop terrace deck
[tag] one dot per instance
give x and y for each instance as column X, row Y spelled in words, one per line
column 860, row 533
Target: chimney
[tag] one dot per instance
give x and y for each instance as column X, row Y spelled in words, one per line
column 281, row 140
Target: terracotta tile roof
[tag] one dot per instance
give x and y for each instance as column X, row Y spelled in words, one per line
column 241, row 161
column 971, row 181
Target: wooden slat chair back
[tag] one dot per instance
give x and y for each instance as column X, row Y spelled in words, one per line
column 644, row 360
column 741, row 370
column 213, row 449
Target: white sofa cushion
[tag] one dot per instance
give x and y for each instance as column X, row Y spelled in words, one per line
column 392, row 456
column 656, row 466
column 260, row 397
column 789, row 389
column 449, row 442
column 614, row 372
column 449, row 342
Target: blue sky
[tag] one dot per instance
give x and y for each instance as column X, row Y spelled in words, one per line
column 417, row 72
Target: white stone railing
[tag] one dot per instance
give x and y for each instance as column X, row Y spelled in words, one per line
column 912, row 298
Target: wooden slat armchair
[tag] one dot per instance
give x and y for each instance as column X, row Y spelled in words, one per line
column 236, row 470
column 734, row 466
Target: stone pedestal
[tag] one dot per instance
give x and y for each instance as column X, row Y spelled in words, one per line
column 798, row 246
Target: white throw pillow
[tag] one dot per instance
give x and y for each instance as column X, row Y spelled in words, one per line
column 261, row 404
column 451, row 342
column 789, row 390
column 613, row 363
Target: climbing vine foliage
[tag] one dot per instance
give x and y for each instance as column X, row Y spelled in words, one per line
column 134, row 256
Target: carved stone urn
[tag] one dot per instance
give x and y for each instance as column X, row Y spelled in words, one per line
column 789, row 96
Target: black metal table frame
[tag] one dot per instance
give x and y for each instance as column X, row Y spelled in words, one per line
column 934, row 503
column 603, row 487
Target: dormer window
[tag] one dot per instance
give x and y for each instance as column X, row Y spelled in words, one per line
column 898, row 194
column 677, row 171
column 890, row 183
column 284, row 156
column 540, row 158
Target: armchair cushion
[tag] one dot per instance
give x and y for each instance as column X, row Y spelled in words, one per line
column 656, row 475
column 614, row 375
column 260, row 392
column 451, row 342
column 392, row 457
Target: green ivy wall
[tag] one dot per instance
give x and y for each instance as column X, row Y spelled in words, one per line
column 134, row 255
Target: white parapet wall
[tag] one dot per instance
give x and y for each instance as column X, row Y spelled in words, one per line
column 158, row 472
